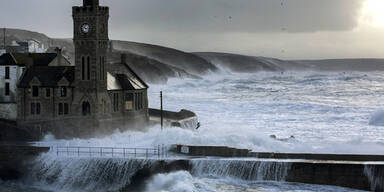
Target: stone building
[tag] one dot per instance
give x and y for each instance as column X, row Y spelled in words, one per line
column 92, row 97
column 12, row 66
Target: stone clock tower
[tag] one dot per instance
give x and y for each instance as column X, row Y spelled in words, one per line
column 91, row 44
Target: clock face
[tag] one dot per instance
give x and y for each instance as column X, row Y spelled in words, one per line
column 85, row 28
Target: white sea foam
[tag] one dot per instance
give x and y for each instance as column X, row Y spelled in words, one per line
column 377, row 118
column 184, row 182
column 326, row 112
column 181, row 181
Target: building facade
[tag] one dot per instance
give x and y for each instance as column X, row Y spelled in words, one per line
column 12, row 66
column 90, row 98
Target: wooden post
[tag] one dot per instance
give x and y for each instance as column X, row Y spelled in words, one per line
column 161, row 109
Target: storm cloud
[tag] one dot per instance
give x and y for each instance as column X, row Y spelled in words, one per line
column 275, row 28
column 194, row 15
column 239, row 15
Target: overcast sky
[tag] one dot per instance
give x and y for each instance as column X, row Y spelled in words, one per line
column 287, row 29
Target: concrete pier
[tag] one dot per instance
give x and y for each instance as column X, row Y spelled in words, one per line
column 184, row 119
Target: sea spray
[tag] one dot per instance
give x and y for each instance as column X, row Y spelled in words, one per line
column 375, row 177
column 180, row 181
column 84, row 174
column 241, row 169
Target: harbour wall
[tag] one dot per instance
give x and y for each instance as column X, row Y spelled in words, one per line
column 130, row 174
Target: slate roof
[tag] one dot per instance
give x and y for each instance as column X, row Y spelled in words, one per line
column 20, row 59
column 128, row 81
column 7, row 59
column 48, row 76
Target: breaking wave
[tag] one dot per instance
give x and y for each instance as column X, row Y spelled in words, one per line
column 181, row 181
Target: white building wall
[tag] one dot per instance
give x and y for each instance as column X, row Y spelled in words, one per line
column 15, row 74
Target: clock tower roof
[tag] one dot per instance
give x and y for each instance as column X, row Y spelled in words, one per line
column 91, row 3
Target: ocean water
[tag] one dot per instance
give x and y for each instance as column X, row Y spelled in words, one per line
column 325, row 112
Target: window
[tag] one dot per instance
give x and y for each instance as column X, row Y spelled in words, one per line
column 136, row 103
column 63, row 91
column 35, row 91
column 63, row 109
column 116, row 102
column 86, row 108
column 128, row 101
column 7, row 73
column 35, row 109
column 101, row 68
column 66, row 109
column 48, row 92
column 139, row 104
column 88, row 68
column 7, row 91
column 82, row 68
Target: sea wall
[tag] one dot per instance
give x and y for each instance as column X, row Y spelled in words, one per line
column 120, row 174
column 124, row 174
column 365, row 172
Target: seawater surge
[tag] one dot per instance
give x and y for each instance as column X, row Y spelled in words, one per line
column 115, row 174
column 84, row 174
column 375, row 176
column 246, row 170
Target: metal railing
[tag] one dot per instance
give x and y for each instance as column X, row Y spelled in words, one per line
column 156, row 152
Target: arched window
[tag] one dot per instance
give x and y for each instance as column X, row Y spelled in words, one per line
column 86, row 108
column 82, row 68
column 104, row 68
column 101, row 68
column 88, row 68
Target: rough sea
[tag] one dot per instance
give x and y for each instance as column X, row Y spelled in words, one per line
column 326, row 112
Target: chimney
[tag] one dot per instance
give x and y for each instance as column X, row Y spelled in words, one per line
column 124, row 58
column 90, row 3
column 59, row 56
